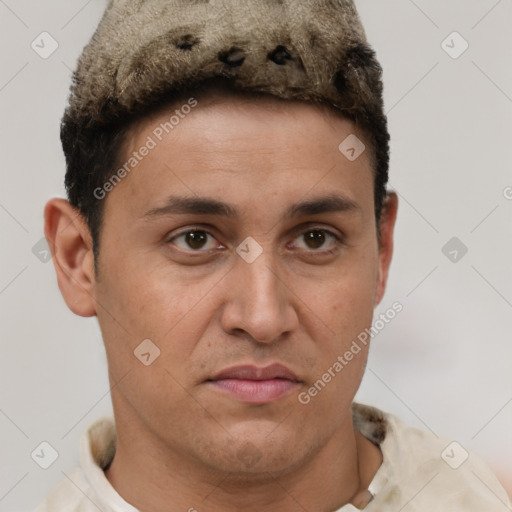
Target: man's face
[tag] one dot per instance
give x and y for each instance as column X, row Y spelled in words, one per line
column 183, row 275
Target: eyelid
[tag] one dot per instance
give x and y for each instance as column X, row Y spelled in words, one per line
column 187, row 228
column 315, row 226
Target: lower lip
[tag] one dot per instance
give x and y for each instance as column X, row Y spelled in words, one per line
column 255, row 391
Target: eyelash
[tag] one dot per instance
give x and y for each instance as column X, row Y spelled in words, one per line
column 337, row 240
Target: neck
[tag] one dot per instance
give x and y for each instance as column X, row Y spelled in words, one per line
column 170, row 481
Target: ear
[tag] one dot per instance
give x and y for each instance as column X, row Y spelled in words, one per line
column 387, row 227
column 71, row 244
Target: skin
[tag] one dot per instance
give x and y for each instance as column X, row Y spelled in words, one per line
column 179, row 438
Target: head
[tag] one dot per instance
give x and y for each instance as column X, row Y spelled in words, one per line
column 242, row 236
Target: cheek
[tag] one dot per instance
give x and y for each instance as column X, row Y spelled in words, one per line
column 346, row 307
column 345, row 304
column 347, row 313
column 152, row 306
column 346, row 301
column 155, row 304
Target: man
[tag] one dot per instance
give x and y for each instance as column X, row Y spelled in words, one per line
column 228, row 224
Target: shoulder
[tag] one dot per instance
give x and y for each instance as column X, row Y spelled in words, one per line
column 86, row 488
column 71, row 494
column 422, row 470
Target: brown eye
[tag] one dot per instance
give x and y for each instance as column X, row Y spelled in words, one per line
column 194, row 239
column 314, row 239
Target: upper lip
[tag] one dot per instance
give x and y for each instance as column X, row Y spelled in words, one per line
column 251, row 372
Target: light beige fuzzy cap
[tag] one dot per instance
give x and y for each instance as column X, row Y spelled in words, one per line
column 143, row 50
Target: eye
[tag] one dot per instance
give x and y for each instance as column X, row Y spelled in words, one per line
column 197, row 240
column 315, row 239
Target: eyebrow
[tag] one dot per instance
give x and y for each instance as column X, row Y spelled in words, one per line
column 176, row 205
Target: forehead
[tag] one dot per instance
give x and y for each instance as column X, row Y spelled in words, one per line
column 241, row 147
column 237, row 108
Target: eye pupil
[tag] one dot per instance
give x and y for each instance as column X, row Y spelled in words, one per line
column 196, row 239
column 314, row 239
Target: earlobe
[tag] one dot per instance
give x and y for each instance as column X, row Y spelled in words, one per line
column 70, row 241
column 387, row 226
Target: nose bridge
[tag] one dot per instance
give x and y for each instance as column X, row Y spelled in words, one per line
column 260, row 303
column 260, row 279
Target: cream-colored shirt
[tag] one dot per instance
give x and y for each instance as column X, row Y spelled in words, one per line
column 420, row 472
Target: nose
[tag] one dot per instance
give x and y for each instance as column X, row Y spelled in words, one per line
column 260, row 301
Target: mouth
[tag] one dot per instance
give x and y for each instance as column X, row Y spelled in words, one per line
column 254, row 385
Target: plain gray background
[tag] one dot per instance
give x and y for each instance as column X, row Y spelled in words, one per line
column 444, row 362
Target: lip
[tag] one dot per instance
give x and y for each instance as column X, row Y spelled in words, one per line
column 251, row 372
column 255, row 385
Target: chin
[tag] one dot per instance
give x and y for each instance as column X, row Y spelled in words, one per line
column 256, row 455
